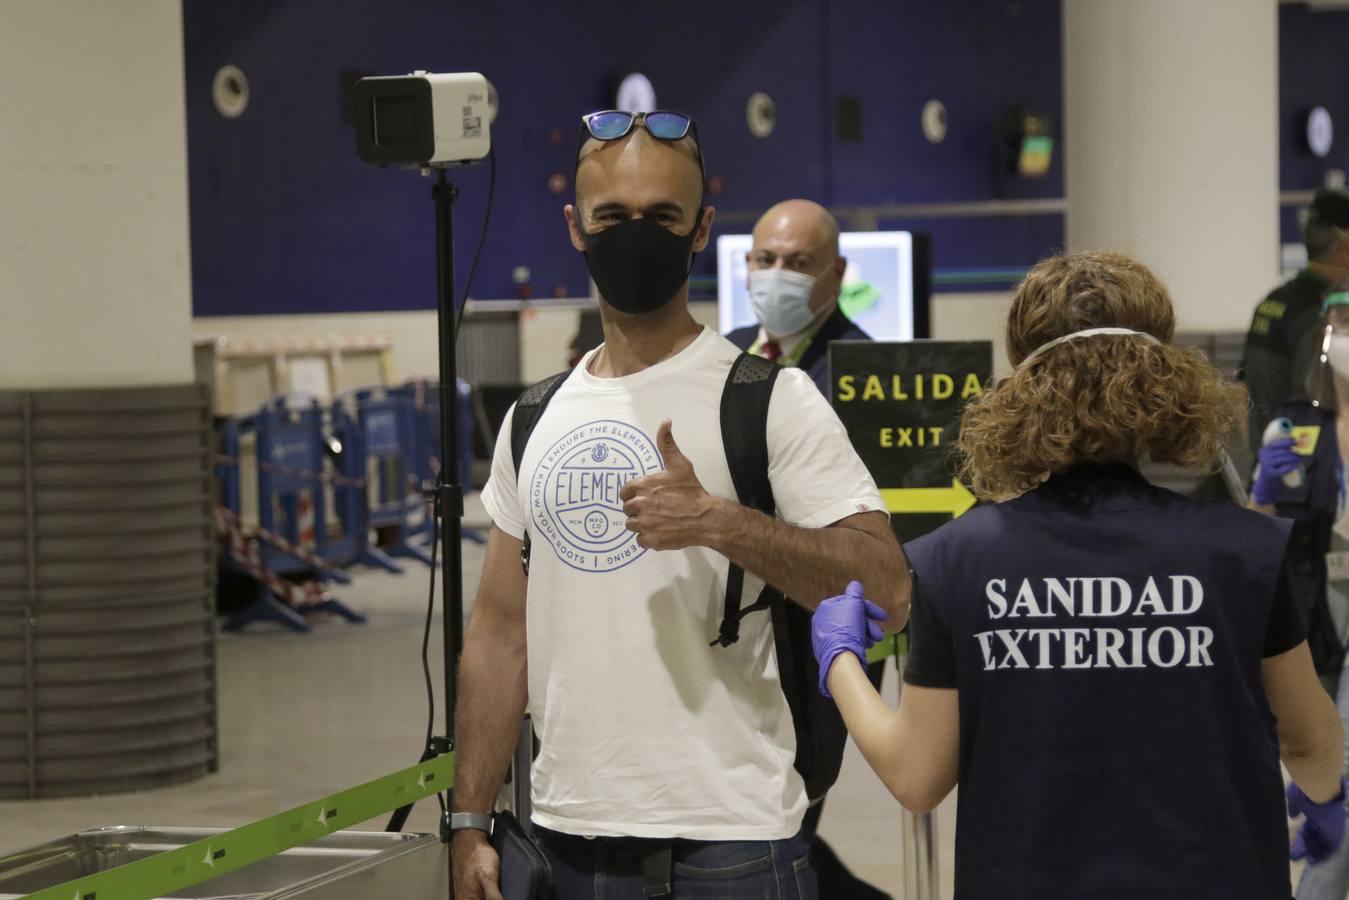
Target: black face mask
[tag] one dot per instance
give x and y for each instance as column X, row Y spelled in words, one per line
column 639, row 265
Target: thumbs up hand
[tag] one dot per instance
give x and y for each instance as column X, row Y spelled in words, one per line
column 669, row 510
column 675, row 460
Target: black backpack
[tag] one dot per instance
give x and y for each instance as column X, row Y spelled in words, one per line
column 820, row 732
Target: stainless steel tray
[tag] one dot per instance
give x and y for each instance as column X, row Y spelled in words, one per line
column 345, row 865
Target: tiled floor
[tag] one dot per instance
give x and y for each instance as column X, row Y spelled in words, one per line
column 302, row 716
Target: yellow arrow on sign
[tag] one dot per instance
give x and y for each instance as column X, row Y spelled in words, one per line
column 954, row 500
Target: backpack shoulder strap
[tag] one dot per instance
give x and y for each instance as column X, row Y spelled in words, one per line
column 744, row 432
column 528, row 410
column 744, row 428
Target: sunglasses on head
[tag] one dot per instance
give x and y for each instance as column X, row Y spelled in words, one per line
column 661, row 124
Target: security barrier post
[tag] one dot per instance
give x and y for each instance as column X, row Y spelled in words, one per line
column 919, row 837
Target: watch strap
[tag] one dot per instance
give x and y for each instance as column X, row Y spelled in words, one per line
column 475, row 820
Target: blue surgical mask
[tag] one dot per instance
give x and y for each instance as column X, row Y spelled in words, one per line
column 781, row 300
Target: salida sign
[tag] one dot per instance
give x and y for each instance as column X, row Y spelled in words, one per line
column 901, row 404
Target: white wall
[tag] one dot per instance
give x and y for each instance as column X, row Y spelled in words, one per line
column 974, row 317
column 1171, row 145
column 96, row 287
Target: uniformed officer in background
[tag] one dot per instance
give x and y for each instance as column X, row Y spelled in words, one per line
column 1111, row 671
column 795, row 277
column 1277, row 350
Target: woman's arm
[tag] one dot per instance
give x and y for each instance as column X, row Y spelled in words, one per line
column 1311, row 739
column 916, row 749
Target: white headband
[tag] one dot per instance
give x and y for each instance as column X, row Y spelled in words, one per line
column 1087, row 332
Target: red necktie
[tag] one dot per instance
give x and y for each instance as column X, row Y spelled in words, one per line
column 770, row 351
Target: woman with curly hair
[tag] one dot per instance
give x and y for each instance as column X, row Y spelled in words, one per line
column 1111, row 671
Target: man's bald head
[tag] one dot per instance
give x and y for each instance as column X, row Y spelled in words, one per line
column 802, row 224
column 640, row 136
column 801, row 236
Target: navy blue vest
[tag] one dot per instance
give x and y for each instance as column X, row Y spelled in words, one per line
column 1115, row 740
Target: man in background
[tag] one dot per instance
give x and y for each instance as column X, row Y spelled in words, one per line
column 795, row 277
column 1279, row 342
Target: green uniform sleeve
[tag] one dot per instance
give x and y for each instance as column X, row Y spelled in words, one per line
column 1300, row 332
column 1279, row 348
column 1267, row 374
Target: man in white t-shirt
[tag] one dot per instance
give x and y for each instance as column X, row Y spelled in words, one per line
column 657, row 749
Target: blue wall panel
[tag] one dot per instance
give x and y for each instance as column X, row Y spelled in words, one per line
column 286, row 219
column 979, row 58
column 1313, row 71
column 982, row 253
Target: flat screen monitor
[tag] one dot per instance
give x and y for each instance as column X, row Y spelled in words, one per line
column 885, row 287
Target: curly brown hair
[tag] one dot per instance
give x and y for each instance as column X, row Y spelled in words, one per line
column 1098, row 399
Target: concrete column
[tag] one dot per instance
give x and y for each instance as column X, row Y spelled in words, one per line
column 1171, row 145
column 95, row 286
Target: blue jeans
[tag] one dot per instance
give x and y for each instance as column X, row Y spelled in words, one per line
column 612, row 868
column 1329, row 880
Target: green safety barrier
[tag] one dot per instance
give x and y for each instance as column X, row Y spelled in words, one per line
column 892, row 645
column 208, row 858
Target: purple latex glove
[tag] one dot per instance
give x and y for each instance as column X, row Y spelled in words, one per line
column 1323, row 829
column 846, row 624
column 1277, row 459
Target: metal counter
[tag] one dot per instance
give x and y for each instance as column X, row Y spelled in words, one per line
column 345, row 865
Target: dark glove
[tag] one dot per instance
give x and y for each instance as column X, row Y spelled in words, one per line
column 845, row 624
column 1277, row 459
column 1323, row 829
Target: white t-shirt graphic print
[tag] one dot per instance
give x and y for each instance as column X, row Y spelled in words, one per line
column 574, row 493
column 645, row 729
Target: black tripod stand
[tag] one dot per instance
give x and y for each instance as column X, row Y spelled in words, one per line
column 447, row 495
